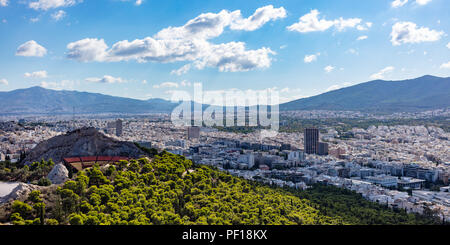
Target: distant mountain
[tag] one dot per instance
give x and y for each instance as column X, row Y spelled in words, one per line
column 423, row 93
column 38, row 100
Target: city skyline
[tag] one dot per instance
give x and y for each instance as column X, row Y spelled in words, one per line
column 143, row 49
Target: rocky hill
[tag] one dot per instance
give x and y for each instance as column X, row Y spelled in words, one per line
column 81, row 142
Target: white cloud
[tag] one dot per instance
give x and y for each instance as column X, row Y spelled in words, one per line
column 398, row 3
column 423, row 2
column 34, row 19
column 364, row 27
column 258, row 19
column 59, row 15
column 88, row 49
column 337, row 86
column 166, row 85
column 105, row 79
column 31, row 48
column 342, row 23
column 4, row 3
column 285, row 90
column 36, row 74
column 234, row 57
column 353, row 51
column 445, row 65
column 214, row 97
column 362, row 38
column 188, row 43
column 311, row 58
column 136, row 2
column 382, row 73
column 144, row 81
column 185, row 83
column 51, row 4
column 408, row 32
column 329, row 69
column 283, row 46
column 289, row 94
column 3, row 81
column 333, row 87
column 183, row 70
column 448, row 45
column 64, row 84
column 311, row 23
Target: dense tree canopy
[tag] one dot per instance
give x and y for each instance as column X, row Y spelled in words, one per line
column 35, row 173
column 354, row 209
column 171, row 190
column 168, row 190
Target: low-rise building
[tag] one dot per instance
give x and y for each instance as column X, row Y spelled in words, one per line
column 410, row 183
column 383, row 180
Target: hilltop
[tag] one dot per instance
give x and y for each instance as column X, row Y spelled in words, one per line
column 81, row 142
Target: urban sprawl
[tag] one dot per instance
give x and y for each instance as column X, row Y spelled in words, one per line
column 405, row 167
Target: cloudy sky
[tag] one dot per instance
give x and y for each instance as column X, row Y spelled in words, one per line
column 147, row 49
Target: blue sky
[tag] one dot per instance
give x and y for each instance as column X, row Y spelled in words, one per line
column 126, row 48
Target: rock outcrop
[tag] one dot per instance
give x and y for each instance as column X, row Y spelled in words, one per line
column 81, row 142
column 20, row 190
column 59, row 174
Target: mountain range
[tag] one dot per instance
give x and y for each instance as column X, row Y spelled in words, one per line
column 423, row 93
column 38, row 100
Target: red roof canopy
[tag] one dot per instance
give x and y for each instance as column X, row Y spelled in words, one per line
column 89, row 159
column 94, row 159
column 72, row 159
column 102, row 158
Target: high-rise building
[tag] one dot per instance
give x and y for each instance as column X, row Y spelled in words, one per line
column 311, row 140
column 323, row 149
column 119, row 128
column 193, row 132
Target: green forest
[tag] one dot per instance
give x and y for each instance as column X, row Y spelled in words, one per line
column 171, row 190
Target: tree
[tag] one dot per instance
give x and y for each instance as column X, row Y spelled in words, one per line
column 75, row 219
column 96, row 177
column 22, row 208
column 44, row 182
column 17, row 219
column 34, row 196
column 40, row 210
column 52, row 222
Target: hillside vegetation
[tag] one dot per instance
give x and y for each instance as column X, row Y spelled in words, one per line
column 171, row 190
